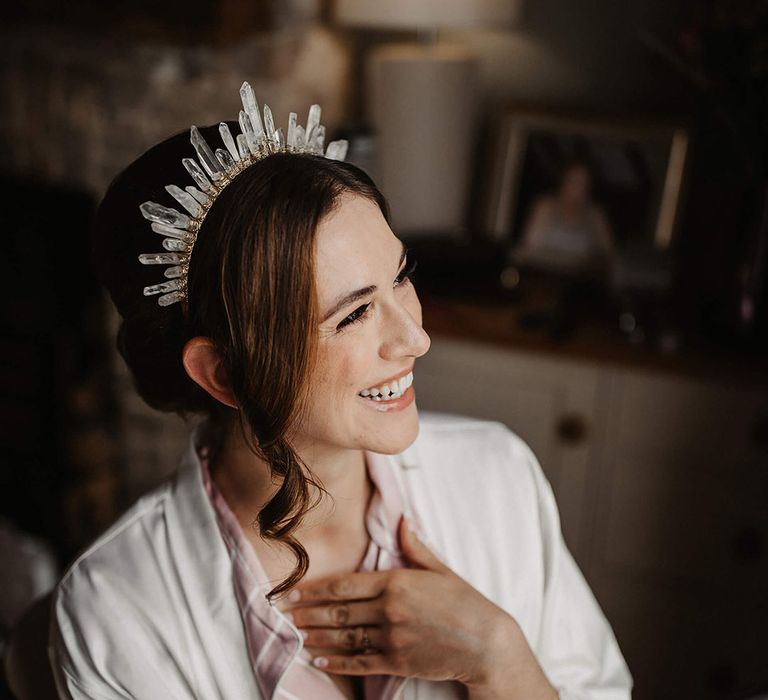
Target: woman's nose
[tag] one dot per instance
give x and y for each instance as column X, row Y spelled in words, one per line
column 404, row 335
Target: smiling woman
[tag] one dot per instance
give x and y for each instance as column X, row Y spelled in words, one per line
column 278, row 562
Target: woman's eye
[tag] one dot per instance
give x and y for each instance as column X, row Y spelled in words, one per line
column 359, row 313
column 356, row 315
column 407, row 272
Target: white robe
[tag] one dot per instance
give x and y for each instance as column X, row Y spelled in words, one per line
column 149, row 611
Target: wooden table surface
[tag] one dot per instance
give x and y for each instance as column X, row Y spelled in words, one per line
column 592, row 340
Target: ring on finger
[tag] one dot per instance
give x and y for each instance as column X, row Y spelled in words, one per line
column 365, row 642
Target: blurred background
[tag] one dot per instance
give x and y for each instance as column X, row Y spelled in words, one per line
column 585, row 186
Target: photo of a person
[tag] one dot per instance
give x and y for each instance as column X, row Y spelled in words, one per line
column 567, row 231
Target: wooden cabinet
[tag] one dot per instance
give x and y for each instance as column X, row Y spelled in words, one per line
column 662, row 485
column 680, row 557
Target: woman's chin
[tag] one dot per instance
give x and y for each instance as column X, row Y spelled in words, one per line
column 396, row 438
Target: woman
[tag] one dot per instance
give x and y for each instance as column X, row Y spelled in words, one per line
column 568, row 231
column 277, row 563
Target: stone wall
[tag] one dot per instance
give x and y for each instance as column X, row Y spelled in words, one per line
column 75, row 109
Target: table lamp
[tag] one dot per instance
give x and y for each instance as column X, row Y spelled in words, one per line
column 422, row 101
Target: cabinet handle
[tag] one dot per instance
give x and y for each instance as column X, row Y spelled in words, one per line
column 571, row 429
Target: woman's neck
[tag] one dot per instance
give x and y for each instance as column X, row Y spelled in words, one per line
column 245, row 481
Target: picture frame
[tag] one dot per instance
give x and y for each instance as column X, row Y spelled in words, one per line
column 635, row 171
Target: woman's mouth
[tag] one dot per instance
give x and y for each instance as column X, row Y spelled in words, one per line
column 394, row 395
column 390, row 391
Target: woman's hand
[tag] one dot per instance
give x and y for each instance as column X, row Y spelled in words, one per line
column 426, row 622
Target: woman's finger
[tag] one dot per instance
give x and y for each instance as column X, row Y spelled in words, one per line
column 341, row 614
column 357, row 665
column 346, row 639
column 349, row 586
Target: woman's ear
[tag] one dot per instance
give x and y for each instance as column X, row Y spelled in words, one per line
column 204, row 367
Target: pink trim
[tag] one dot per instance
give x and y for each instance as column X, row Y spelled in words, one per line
column 267, row 631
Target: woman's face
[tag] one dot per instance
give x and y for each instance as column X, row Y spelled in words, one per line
column 369, row 334
column 576, row 184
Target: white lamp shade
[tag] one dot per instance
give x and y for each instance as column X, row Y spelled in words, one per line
column 423, row 104
column 428, row 14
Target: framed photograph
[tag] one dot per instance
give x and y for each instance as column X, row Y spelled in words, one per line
column 580, row 195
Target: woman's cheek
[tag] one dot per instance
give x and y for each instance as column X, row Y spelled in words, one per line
column 346, row 370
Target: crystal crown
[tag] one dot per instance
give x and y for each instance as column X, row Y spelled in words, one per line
column 212, row 172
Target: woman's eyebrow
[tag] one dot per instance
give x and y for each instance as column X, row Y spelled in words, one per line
column 342, row 301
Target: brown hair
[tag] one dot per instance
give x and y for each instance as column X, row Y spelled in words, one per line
column 251, row 290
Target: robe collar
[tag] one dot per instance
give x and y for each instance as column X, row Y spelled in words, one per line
column 226, row 561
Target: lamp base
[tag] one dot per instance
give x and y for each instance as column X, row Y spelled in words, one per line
column 422, row 103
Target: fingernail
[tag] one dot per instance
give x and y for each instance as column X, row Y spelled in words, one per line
column 289, row 616
column 320, row 661
column 294, row 595
column 304, row 633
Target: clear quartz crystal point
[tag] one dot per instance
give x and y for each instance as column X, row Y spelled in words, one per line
column 247, row 129
column 315, row 140
column 311, row 139
column 242, row 146
column 212, row 170
column 164, row 215
column 160, row 259
column 229, row 142
column 205, row 155
column 197, row 174
column 175, row 244
column 225, row 159
column 162, row 287
column 313, row 120
column 301, row 139
column 337, row 150
column 251, row 108
column 319, row 139
column 290, row 139
column 269, row 125
column 185, row 199
column 198, row 195
column 165, row 230
column 172, row 298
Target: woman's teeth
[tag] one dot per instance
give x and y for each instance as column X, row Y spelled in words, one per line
column 392, row 390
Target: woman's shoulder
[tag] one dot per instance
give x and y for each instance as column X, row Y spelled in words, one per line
column 451, row 439
column 144, row 542
column 475, row 487
column 126, row 604
column 461, row 456
column 121, row 546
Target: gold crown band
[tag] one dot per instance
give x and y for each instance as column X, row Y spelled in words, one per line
column 212, row 172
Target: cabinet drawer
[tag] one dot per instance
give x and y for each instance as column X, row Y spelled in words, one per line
column 691, row 425
column 685, row 643
column 684, row 483
column 690, row 526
